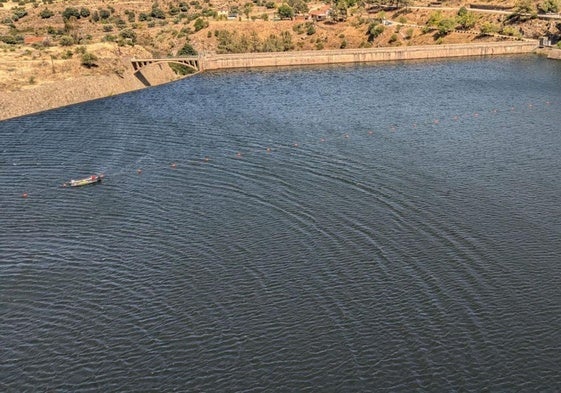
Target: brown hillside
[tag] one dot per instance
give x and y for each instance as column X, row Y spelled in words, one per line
column 36, row 49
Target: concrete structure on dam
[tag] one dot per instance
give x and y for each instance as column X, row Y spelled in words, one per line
column 298, row 58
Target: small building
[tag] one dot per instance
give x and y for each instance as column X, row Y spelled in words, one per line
column 321, row 15
column 544, row 41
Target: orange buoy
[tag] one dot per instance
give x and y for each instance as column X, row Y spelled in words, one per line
column 24, row 195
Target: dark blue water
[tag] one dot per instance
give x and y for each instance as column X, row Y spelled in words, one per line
column 388, row 227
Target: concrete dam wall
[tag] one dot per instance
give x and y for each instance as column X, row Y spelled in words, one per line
column 278, row 59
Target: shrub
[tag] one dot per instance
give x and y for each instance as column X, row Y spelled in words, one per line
column 19, row 13
column 69, row 12
column 311, row 30
column 84, row 12
column 200, row 24
column 46, row 13
column 9, row 39
column 66, row 40
column 104, row 14
column 67, row 54
column 89, row 60
column 409, row 33
column 109, row 38
column 157, row 13
column 128, row 34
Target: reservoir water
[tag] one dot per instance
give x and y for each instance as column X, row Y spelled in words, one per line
column 387, row 227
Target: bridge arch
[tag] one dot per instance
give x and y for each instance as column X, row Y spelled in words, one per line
column 192, row 62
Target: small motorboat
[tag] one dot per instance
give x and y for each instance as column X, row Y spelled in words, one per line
column 84, row 182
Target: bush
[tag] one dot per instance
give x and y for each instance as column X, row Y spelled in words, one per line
column 109, row 38
column 66, row 40
column 69, row 12
column 89, row 60
column 311, row 30
column 46, row 13
column 200, row 24
column 84, row 12
column 157, row 13
column 104, row 14
column 128, row 34
column 9, row 39
column 19, row 13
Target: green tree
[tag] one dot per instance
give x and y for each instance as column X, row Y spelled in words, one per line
column 374, row 30
column 549, row 6
column 488, row 28
column 285, row 11
column 466, row 19
column 445, row 26
column 200, row 24
column 525, row 9
column 247, row 7
column 299, row 6
column 187, row 50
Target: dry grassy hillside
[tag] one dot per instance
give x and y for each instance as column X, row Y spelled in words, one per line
column 56, row 40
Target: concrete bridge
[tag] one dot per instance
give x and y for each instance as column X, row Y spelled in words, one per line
column 189, row 61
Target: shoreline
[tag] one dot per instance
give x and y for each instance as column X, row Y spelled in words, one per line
column 60, row 94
